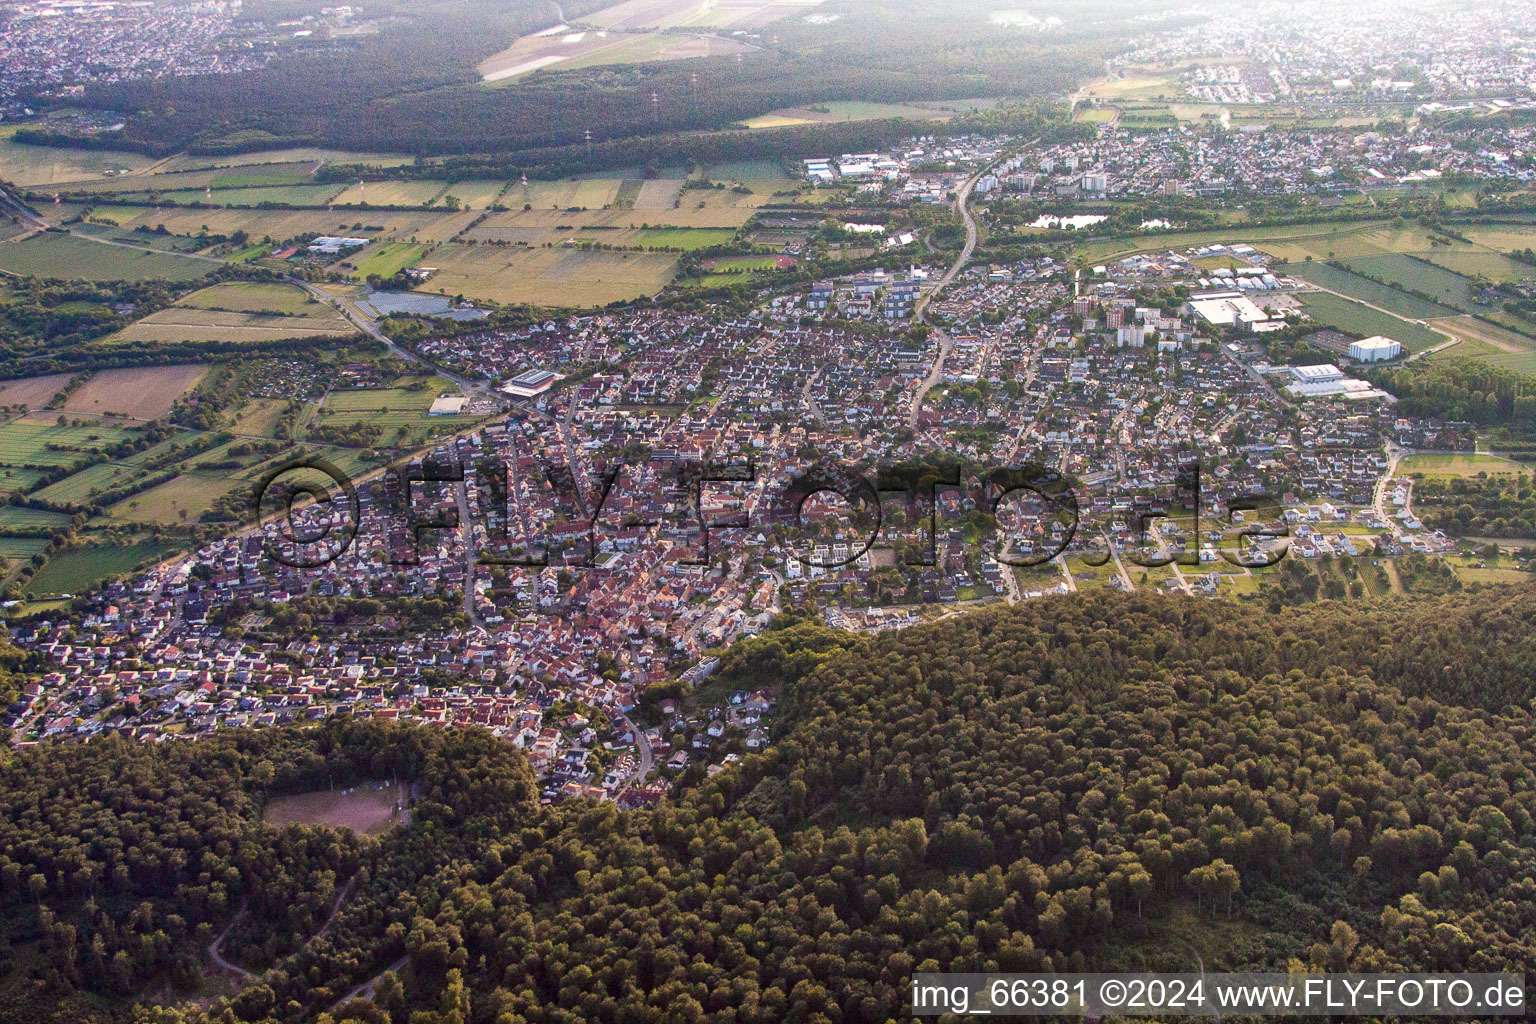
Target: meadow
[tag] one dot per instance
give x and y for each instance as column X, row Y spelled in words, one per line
column 1494, row 266
column 179, row 500
column 254, row 297
column 55, row 255
column 682, row 238
column 1356, row 287
column 1458, row 465
column 37, row 442
column 48, row 165
column 83, row 487
column 75, row 569
column 385, row 259
column 1418, row 275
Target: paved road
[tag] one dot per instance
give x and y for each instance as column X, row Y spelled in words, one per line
column 643, row 744
column 467, row 537
column 26, row 216
column 920, row 312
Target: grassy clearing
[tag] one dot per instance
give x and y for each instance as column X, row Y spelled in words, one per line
column 54, row 255
column 368, row 808
column 259, row 416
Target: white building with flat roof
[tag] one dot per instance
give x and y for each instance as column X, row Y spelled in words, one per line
column 1226, row 308
column 1375, row 349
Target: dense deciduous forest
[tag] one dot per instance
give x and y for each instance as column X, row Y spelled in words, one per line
column 398, row 89
column 1464, row 389
column 1112, row 782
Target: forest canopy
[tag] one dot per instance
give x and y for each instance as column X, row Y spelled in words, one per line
column 1111, row 782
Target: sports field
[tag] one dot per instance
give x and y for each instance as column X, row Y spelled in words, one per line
column 368, row 808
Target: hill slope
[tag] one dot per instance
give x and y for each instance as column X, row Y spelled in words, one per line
column 1105, row 782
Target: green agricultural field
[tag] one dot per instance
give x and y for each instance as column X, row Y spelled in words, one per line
column 547, row 277
column 13, row 479
column 1502, row 237
column 585, row 193
column 391, row 193
column 54, row 255
column 1494, row 266
column 385, row 259
column 19, row 549
column 255, row 297
column 72, row 571
column 285, row 195
column 15, row 517
column 1417, row 275
column 177, row 501
column 472, row 195
column 1355, row 318
column 85, row 486
column 40, row 443
column 761, row 176
column 263, row 174
column 1357, row 287
column 686, row 239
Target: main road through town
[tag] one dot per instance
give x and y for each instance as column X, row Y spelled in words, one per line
column 920, row 311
